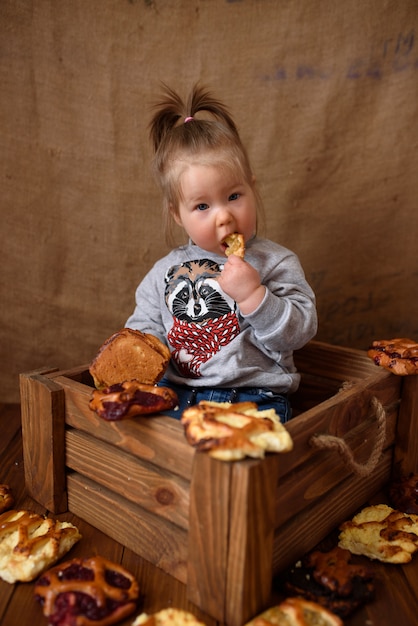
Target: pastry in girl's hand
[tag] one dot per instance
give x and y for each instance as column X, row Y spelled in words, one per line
column 235, row 245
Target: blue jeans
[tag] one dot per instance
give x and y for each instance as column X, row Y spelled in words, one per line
column 264, row 398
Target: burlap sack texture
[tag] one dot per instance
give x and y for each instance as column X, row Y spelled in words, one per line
column 325, row 96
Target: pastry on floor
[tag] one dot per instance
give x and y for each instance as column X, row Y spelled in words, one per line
column 331, row 580
column 30, row 543
column 87, row 592
column 382, row 533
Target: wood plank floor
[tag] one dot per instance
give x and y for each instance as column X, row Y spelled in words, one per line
column 396, row 601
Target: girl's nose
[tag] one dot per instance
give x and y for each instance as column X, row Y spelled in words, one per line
column 224, row 216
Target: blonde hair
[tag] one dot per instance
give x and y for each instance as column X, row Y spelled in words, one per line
column 178, row 138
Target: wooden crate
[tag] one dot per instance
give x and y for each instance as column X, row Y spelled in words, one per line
column 223, row 529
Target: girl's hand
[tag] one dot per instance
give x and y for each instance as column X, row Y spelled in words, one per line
column 241, row 281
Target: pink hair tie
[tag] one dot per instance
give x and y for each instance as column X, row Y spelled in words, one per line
column 187, row 119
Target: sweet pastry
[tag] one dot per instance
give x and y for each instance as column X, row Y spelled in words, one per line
column 235, row 245
column 230, row 432
column 399, row 356
column 331, row 580
column 382, row 533
column 296, row 612
column 403, row 493
column 87, row 592
column 6, row 498
column 129, row 354
column 130, row 398
column 167, row 617
column 29, row 544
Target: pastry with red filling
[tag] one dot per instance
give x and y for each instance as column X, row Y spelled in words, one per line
column 87, row 592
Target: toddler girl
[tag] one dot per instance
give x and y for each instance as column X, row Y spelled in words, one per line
column 231, row 324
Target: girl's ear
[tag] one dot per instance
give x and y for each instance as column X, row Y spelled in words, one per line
column 175, row 215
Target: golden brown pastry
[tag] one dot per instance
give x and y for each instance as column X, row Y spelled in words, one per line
column 167, row 617
column 296, row 612
column 87, row 592
column 6, row 498
column 124, row 400
column 230, row 432
column 127, row 355
column 382, row 533
column 399, row 356
column 235, row 245
column 29, row 544
column 403, row 493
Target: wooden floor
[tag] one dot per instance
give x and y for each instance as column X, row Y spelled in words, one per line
column 396, row 601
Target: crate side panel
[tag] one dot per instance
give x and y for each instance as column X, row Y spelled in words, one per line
column 406, row 451
column 158, row 439
column 324, row 470
column 154, row 489
column 339, row 415
column 152, row 537
column 304, row 531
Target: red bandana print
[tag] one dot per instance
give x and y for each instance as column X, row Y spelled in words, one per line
column 194, row 344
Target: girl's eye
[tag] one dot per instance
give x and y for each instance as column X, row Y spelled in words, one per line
column 202, row 206
column 234, row 196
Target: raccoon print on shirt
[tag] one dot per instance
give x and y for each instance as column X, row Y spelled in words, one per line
column 204, row 317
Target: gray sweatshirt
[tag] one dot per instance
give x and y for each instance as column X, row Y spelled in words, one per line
column 212, row 344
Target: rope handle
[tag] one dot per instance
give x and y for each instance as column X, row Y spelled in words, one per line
column 330, row 442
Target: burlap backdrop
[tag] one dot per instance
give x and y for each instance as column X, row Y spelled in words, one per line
column 325, row 95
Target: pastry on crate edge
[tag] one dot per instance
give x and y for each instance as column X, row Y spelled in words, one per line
column 398, row 356
column 131, row 398
column 129, row 354
column 232, row 431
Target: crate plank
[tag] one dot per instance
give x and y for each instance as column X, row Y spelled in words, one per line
column 208, row 534
column 156, row 439
column 406, row 450
column 43, row 440
column 153, row 488
column 249, row 571
column 336, row 363
column 160, row 542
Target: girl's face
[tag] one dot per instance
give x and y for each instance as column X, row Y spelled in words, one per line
column 214, row 204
